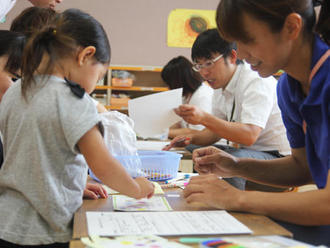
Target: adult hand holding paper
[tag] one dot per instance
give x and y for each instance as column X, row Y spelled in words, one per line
column 153, row 114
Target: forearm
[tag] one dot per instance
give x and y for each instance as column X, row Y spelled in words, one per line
column 303, row 208
column 105, row 166
column 286, row 171
column 116, row 177
column 236, row 132
column 173, row 132
column 204, row 138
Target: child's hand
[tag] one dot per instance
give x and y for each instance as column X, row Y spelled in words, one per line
column 147, row 188
column 95, row 191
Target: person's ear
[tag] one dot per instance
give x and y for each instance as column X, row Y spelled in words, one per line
column 233, row 56
column 85, row 55
column 292, row 26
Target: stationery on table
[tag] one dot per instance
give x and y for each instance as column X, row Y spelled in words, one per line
column 143, row 241
column 171, row 223
column 178, row 178
column 180, row 184
column 125, row 203
column 272, row 241
column 153, row 114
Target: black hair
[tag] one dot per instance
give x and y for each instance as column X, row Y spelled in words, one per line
column 178, row 73
column 209, row 42
column 71, row 30
column 12, row 45
column 229, row 16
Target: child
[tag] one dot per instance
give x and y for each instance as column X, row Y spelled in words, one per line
column 27, row 22
column 46, row 120
column 178, row 73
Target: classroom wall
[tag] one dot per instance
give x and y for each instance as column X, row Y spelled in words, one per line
column 137, row 29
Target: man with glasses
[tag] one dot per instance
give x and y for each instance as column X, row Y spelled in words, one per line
column 245, row 110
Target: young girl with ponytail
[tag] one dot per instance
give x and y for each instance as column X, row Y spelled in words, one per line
column 46, row 119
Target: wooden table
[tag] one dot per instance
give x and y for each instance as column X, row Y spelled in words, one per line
column 260, row 225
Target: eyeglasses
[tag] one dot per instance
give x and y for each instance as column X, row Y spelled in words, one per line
column 208, row 64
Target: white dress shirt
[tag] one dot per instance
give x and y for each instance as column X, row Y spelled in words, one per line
column 255, row 103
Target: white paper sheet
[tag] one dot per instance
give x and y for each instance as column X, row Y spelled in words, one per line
column 151, row 145
column 153, row 114
column 125, row 203
column 164, row 223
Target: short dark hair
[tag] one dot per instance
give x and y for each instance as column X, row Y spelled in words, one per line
column 12, row 45
column 209, row 42
column 178, row 73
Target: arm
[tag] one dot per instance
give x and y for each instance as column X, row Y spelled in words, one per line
column 241, row 133
column 203, row 138
column 174, row 132
column 108, row 169
column 303, row 208
column 291, row 170
column 100, row 108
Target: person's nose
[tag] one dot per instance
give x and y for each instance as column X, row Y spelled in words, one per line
column 204, row 72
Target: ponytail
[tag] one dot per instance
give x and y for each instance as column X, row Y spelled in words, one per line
column 48, row 44
column 323, row 25
column 60, row 39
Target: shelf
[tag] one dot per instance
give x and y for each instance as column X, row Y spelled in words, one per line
column 147, row 80
column 115, row 107
column 133, row 88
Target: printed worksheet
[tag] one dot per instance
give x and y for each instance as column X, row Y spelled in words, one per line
column 125, row 203
column 171, row 223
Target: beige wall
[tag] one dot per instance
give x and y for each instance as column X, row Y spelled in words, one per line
column 136, row 28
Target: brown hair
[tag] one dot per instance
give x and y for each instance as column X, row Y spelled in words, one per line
column 32, row 19
column 230, row 13
column 61, row 39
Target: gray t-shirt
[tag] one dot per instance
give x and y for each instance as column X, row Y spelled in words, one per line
column 41, row 181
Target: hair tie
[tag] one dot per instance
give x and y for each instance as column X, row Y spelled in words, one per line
column 54, row 31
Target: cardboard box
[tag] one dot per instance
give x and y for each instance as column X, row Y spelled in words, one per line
column 119, row 101
column 122, row 82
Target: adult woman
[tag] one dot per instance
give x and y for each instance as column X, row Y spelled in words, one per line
column 273, row 35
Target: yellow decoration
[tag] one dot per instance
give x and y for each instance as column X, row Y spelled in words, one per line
column 184, row 25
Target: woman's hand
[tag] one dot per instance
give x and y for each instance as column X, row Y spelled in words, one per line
column 213, row 192
column 211, row 160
